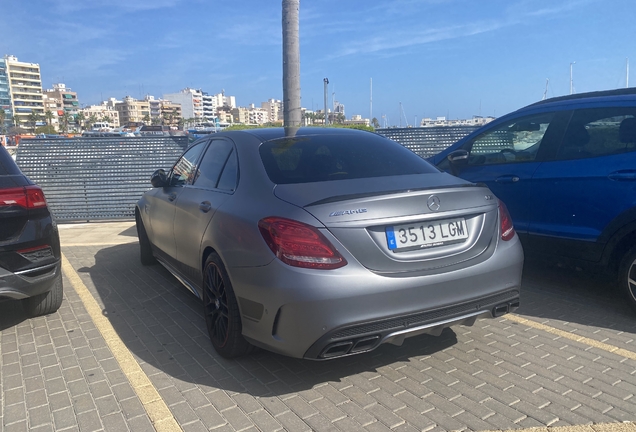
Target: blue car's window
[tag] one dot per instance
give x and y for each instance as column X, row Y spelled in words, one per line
column 517, row 140
column 599, row 132
column 334, row 157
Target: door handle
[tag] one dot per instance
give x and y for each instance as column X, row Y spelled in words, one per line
column 507, row 179
column 205, row 206
column 623, row 175
column 172, row 197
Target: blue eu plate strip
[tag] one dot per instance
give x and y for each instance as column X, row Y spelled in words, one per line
column 390, row 237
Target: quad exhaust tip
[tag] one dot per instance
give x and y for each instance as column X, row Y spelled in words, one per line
column 504, row 308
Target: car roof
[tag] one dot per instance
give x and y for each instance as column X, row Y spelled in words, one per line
column 596, row 96
column 267, row 134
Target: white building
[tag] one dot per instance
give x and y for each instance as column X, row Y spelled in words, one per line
column 275, row 109
column 191, row 102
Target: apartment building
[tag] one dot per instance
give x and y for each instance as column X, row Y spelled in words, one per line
column 5, row 98
column 191, row 102
column 275, row 109
column 170, row 113
column 132, row 110
column 24, row 86
column 65, row 102
column 103, row 113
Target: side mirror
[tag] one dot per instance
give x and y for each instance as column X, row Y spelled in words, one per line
column 159, row 178
column 458, row 159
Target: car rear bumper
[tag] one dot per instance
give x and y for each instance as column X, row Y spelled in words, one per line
column 325, row 314
column 28, row 283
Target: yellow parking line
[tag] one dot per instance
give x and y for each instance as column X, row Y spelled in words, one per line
column 158, row 412
column 573, row 336
column 601, row 427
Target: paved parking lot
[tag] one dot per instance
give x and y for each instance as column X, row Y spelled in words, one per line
column 128, row 350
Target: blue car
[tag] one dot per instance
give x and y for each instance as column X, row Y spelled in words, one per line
column 566, row 169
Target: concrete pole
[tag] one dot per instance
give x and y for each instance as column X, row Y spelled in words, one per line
column 291, row 64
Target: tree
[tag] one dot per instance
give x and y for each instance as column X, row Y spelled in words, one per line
column 92, row 119
column 3, row 116
column 48, row 116
column 375, row 123
column 48, row 130
column 107, row 119
column 65, row 120
column 146, row 119
column 291, row 64
column 34, row 117
column 80, row 118
column 156, row 121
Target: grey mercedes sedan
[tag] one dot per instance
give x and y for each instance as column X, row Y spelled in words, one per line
column 320, row 243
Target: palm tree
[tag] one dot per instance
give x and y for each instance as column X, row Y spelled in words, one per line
column 92, row 119
column 65, row 120
column 156, row 121
column 80, row 118
column 375, row 122
column 34, row 117
column 107, row 119
column 291, row 64
column 146, row 119
column 48, row 115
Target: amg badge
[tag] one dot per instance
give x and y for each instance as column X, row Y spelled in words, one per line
column 347, row 212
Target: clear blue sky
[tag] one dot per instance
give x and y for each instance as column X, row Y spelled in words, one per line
column 455, row 58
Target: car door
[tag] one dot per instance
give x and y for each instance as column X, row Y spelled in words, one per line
column 588, row 183
column 162, row 206
column 215, row 181
column 506, row 156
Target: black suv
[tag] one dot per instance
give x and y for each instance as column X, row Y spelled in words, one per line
column 30, row 268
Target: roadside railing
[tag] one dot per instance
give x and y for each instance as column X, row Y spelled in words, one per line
column 87, row 179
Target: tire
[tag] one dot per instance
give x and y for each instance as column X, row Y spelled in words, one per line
column 45, row 303
column 220, row 308
column 145, row 249
column 627, row 277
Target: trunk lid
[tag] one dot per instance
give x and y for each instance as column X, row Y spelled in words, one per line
column 413, row 223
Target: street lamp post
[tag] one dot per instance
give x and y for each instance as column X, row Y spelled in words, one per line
column 571, row 86
column 326, row 81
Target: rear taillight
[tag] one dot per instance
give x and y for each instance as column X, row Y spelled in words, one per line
column 28, row 197
column 299, row 245
column 507, row 229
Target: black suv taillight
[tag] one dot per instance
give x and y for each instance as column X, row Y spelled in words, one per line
column 28, row 197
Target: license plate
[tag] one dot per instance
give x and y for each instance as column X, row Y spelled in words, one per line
column 426, row 234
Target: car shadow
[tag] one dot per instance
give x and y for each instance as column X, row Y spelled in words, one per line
column 575, row 296
column 11, row 314
column 162, row 324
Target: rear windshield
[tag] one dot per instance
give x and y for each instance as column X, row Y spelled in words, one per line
column 336, row 157
column 7, row 165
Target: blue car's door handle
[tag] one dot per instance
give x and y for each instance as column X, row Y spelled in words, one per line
column 623, row 175
column 507, row 179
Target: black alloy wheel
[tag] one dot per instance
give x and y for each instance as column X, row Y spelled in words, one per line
column 222, row 315
column 216, row 308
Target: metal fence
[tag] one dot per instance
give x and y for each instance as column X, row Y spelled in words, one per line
column 426, row 142
column 88, row 179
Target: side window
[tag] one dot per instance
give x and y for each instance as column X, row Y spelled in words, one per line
column 212, row 164
column 229, row 176
column 599, row 132
column 183, row 171
column 515, row 141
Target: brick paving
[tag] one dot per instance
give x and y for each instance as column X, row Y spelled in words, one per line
column 58, row 374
